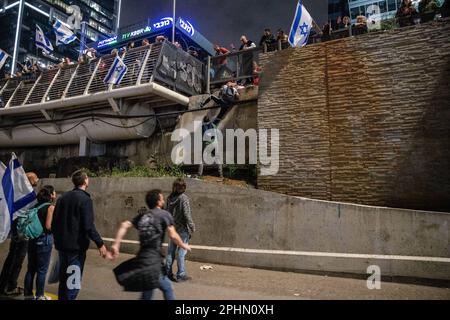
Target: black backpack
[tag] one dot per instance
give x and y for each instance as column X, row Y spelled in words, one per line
column 228, row 94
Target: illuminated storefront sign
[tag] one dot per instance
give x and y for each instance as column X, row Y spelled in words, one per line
column 186, row 26
column 154, row 27
column 163, row 23
column 107, row 42
column 136, row 33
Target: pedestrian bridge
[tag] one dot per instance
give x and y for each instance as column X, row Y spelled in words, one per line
column 40, row 111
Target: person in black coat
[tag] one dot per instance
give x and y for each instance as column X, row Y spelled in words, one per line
column 73, row 228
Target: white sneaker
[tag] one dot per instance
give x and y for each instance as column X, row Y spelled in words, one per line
column 43, row 298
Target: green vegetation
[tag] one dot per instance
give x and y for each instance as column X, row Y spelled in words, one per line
column 137, row 171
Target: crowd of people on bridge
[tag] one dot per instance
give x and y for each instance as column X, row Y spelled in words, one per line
column 67, row 224
column 406, row 15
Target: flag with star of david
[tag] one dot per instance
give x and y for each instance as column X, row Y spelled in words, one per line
column 116, row 72
column 301, row 26
column 16, row 194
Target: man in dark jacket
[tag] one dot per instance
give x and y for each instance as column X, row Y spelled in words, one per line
column 73, row 228
column 268, row 39
column 178, row 205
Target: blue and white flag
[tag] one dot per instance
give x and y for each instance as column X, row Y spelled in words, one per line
column 3, row 57
column 116, row 72
column 42, row 41
column 63, row 33
column 16, row 194
column 301, row 26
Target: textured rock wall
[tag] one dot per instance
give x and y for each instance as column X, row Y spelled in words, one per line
column 363, row 119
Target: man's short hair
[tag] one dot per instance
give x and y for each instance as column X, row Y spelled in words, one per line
column 152, row 197
column 79, row 178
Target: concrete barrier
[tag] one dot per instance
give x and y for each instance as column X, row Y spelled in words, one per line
column 254, row 228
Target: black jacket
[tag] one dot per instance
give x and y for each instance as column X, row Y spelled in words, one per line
column 73, row 222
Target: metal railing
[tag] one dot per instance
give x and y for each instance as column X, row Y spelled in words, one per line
column 85, row 79
column 242, row 65
column 388, row 24
column 233, row 66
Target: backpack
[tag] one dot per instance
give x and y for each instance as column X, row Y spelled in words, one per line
column 28, row 225
column 228, row 94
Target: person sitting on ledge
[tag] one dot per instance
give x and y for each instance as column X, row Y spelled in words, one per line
column 406, row 13
column 326, row 32
column 345, row 23
column 428, row 10
column 160, row 39
column 283, row 37
column 360, row 26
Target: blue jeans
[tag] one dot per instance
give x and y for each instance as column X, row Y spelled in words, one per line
column 70, row 274
column 39, row 254
column 171, row 252
column 165, row 286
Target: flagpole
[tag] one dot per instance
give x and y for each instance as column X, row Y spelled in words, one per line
column 316, row 25
column 174, row 20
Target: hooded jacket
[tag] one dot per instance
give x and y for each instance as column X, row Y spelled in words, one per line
column 178, row 205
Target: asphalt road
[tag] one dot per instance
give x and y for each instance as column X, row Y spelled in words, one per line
column 235, row 283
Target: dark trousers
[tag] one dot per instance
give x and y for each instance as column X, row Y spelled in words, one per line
column 13, row 264
column 39, row 254
column 70, row 274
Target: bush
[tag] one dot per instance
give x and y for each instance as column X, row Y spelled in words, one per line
column 138, row 171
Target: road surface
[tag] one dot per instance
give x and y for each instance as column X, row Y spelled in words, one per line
column 235, row 283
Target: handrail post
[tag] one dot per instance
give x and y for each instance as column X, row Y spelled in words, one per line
column 4, row 86
column 144, row 65
column 50, row 86
column 31, row 90
column 8, row 104
column 70, row 82
column 86, row 90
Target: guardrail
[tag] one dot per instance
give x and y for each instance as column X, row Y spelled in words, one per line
column 242, row 65
column 388, row 24
column 163, row 63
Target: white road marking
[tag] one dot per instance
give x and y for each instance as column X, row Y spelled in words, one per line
column 310, row 253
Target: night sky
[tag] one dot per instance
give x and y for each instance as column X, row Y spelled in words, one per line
column 223, row 22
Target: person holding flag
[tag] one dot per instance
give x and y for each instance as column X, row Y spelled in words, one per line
column 116, row 72
column 64, row 35
column 42, row 41
column 301, row 26
column 3, row 57
column 16, row 196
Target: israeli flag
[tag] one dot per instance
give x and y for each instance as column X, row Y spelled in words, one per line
column 116, row 72
column 16, row 194
column 42, row 41
column 301, row 26
column 3, row 57
column 63, row 33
